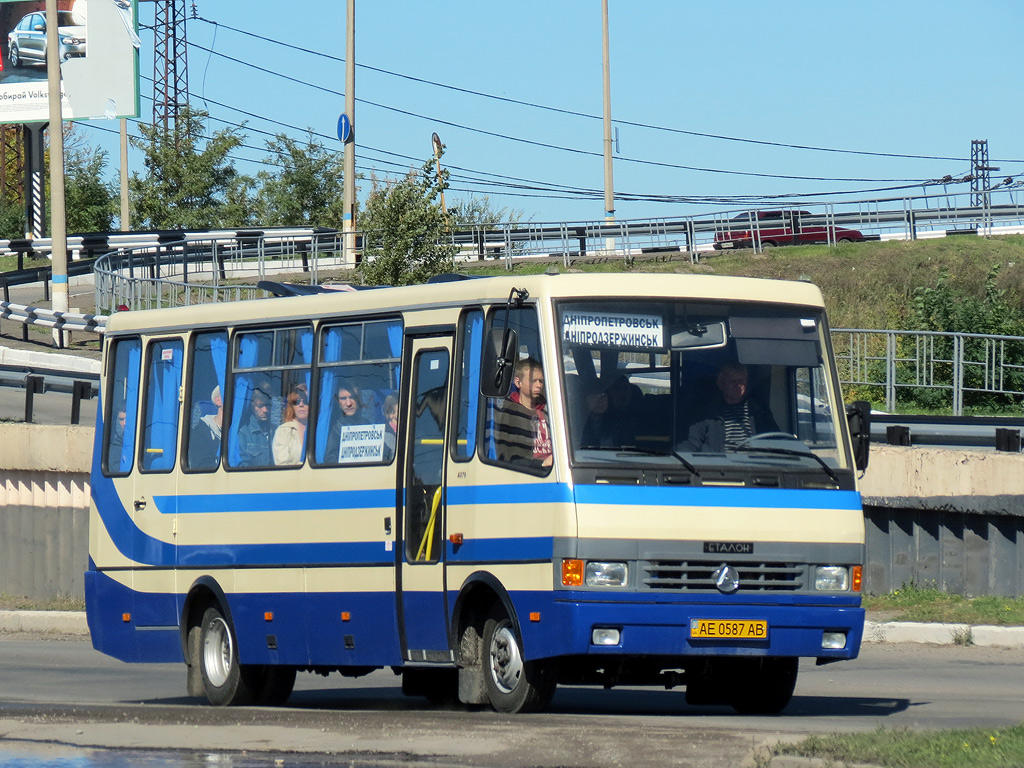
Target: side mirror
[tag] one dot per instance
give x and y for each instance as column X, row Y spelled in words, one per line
column 858, row 417
column 499, row 362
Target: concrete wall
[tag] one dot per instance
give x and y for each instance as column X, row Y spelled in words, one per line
column 948, row 519
column 44, row 510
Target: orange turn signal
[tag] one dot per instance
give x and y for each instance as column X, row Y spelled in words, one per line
column 346, row 616
column 268, row 616
column 856, row 577
column 534, row 616
column 126, row 617
column 572, row 573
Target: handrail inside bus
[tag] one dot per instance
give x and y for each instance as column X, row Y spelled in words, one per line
column 426, row 544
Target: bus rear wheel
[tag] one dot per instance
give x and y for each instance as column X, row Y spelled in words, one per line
column 225, row 682
column 512, row 683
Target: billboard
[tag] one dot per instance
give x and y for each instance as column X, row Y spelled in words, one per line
column 99, row 59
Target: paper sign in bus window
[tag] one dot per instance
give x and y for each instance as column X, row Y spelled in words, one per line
column 612, row 329
column 361, row 443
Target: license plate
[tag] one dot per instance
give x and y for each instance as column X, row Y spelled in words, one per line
column 729, row 629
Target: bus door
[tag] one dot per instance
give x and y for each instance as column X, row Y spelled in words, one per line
column 422, row 601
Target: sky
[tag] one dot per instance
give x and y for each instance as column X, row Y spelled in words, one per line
column 701, row 94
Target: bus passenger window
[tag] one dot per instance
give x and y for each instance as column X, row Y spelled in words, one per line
column 359, row 369
column 123, row 406
column 163, row 381
column 269, row 367
column 208, row 364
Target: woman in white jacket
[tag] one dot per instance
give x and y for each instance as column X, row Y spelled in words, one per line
column 290, row 437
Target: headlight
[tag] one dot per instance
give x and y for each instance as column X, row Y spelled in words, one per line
column 832, row 578
column 606, row 574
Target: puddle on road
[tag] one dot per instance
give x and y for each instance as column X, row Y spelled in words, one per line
column 51, row 756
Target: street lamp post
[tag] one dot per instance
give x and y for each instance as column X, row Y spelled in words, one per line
column 58, row 224
column 609, row 194
column 349, row 170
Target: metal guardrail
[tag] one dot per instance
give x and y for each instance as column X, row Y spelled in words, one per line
column 48, row 318
column 955, row 365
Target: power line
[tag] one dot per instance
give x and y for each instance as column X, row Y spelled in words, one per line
column 547, row 145
column 573, row 113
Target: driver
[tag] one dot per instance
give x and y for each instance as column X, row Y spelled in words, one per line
column 732, row 418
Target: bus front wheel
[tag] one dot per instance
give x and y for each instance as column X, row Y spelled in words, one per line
column 765, row 686
column 512, row 683
column 224, row 681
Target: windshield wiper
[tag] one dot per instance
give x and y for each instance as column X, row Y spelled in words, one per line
column 747, row 447
column 654, row 452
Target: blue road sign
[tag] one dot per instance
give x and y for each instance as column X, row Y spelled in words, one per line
column 344, row 128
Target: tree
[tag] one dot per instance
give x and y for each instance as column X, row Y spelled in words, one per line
column 479, row 211
column 306, row 190
column 404, row 229
column 89, row 202
column 190, row 182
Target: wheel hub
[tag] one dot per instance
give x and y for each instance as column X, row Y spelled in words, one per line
column 506, row 660
column 217, row 652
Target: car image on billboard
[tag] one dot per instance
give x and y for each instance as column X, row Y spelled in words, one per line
column 23, row 33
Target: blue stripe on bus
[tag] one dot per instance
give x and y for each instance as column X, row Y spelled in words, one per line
column 527, row 493
column 501, row 550
column 753, row 498
column 275, row 502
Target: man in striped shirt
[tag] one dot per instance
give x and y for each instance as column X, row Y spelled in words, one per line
column 523, row 433
column 733, row 419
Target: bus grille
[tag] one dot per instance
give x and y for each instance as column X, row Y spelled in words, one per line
column 697, row 575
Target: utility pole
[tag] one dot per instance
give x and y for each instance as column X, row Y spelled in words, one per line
column 58, row 230
column 349, row 170
column 609, row 194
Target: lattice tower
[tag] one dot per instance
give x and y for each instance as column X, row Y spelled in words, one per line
column 170, row 65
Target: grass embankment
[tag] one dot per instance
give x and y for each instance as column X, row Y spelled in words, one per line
column 902, row 748
column 913, row 603
column 866, row 285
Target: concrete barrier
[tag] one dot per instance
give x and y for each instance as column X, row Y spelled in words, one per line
column 44, row 510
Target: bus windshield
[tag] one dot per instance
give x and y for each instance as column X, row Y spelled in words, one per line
column 711, row 386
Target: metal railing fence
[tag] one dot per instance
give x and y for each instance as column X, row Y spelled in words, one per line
column 933, row 368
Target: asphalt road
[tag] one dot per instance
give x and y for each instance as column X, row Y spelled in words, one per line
column 62, row 693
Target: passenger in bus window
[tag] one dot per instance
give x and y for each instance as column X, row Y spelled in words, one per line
column 117, row 434
column 289, row 446
column 349, row 412
column 523, row 433
column 204, row 439
column 255, row 436
column 611, row 413
column 391, row 426
column 732, row 418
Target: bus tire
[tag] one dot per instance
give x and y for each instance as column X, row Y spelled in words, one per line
column 512, row 683
column 225, row 682
column 765, row 687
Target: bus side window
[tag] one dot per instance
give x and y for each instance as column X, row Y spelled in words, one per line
column 267, row 365
column 205, row 411
column 467, row 417
column 123, row 406
column 517, row 435
column 163, row 382
column 359, row 369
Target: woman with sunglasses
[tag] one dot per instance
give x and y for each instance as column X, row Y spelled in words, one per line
column 290, row 437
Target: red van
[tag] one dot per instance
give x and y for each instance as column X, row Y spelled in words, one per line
column 785, row 227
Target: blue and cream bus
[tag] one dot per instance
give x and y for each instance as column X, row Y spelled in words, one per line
column 333, row 483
